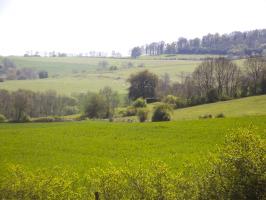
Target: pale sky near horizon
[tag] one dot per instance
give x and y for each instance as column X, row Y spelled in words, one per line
column 75, row 26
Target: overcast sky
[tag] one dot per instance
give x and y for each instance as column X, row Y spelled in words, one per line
column 106, row 25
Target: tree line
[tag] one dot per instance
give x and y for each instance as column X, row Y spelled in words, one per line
column 237, row 43
column 20, row 105
column 213, row 80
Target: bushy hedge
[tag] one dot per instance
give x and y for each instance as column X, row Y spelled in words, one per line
column 162, row 112
column 142, row 114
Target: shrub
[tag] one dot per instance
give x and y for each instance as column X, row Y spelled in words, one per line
column 212, row 96
column 95, row 107
column 220, row 115
column 142, row 114
column 130, row 111
column 238, row 172
column 44, row 119
column 162, row 112
column 206, row 116
column 70, row 110
column 170, row 99
column 139, row 103
column 2, row 118
column 21, row 184
column 43, row 74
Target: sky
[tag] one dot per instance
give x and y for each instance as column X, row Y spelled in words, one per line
column 79, row 26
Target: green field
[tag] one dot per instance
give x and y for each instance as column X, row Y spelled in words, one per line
column 79, row 74
column 248, row 106
column 80, row 146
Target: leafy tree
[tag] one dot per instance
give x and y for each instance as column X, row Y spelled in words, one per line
column 143, row 84
column 111, row 100
column 95, row 107
column 136, row 52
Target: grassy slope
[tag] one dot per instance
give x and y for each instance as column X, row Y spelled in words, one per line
column 87, row 77
column 82, row 145
column 240, row 107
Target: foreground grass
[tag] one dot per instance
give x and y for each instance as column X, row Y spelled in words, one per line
column 255, row 105
column 80, row 146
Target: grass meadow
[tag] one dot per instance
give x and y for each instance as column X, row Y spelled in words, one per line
column 79, row 146
column 80, row 74
column 248, row 106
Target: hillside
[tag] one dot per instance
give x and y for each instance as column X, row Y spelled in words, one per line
column 80, row 74
column 255, row 105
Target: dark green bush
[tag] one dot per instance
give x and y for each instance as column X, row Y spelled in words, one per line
column 162, row 112
column 206, row 116
column 220, row 115
column 142, row 114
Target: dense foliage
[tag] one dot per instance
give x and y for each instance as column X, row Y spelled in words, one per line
column 143, row 85
column 236, row 43
column 162, row 112
column 101, row 105
column 217, row 79
column 19, row 105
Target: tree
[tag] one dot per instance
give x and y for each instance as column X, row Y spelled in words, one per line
column 136, row 52
column 143, row 84
column 21, row 105
column 111, row 100
column 95, row 107
column 43, row 74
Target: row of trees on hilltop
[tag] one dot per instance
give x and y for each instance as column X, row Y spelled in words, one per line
column 236, row 43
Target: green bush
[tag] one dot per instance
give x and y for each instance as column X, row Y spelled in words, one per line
column 206, row 116
column 220, row 115
column 170, row 99
column 238, row 172
column 21, row 184
column 139, row 103
column 2, row 118
column 130, row 111
column 142, row 114
column 162, row 112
